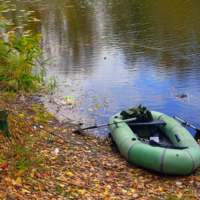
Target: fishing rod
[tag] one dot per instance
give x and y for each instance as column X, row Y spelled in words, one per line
column 108, row 124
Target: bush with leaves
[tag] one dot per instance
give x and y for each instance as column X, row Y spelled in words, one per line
column 17, row 57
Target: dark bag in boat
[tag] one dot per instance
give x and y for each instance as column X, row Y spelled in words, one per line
column 143, row 115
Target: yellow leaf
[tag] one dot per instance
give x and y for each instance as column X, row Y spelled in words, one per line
column 96, row 185
column 132, row 190
column 18, row 180
column 13, row 181
column 69, row 173
column 160, row 189
column 53, row 157
column 62, row 185
column 124, row 191
column 32, row 175
column 81, row 191
column 21, row 115
column 26, row 190
column 106, row 191
column 135, row 180
column 191, row 181
column 23, row 56
column 9, row 188
column 25, row 43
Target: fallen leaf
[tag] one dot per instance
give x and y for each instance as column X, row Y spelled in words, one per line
column 124, row 191
column 69, row 173
column 132, row 190
column 81, row 191
column 18, row 180
column 62, row 185
column 106, row 191
column 40, row 188
column 135, row 196
column 26, row 190
column 180, row 195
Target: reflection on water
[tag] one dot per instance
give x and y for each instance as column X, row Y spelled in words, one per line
column 126, row 52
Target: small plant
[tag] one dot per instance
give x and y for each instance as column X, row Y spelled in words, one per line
column 52, row 84
column 22, row 164
column 17, row 58
column 59, row 190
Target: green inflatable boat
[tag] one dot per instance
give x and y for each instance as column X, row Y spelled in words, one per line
column 174, row 152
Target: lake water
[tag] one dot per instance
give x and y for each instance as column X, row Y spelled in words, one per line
column 112, row 55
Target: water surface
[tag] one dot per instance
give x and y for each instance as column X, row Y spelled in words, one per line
column 113, row 55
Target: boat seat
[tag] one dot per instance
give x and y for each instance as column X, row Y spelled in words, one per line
column 155, row 122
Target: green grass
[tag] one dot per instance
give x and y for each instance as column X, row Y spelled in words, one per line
column 17, row 59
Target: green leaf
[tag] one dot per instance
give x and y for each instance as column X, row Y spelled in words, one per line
column 43, row 62
column 8, row 44
column 21, row 161
column 25, row 162
column 2, row 161
column 22, row 167
column 49, row 115
column 32, row 64
column 47, row 136
column 2, row 7
column 68, row 97
column 3, row 26
column 18, row 49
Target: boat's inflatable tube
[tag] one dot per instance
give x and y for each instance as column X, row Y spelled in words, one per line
column 164, row 160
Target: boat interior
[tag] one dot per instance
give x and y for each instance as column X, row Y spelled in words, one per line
column 153, row 136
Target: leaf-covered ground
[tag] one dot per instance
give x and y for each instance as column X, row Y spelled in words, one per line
column 75, row 166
